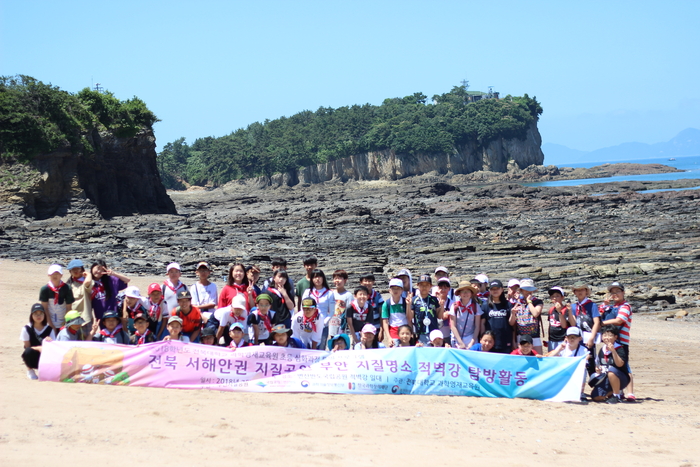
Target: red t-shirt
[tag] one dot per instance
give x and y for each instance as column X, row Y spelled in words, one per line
column 518, row 352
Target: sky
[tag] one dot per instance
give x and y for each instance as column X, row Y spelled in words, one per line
column 605, row 72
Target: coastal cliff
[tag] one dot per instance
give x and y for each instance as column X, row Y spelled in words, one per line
column 389, row 165
column 117, row 177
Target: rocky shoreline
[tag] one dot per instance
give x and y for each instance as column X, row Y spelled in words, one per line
column 556, row 235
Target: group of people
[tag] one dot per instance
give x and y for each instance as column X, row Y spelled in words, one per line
column 97, row 304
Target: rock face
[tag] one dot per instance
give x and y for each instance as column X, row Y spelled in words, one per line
column 557, row 235
column 119, row 178
column 388, row 165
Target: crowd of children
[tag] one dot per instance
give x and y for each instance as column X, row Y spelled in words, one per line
column 97, row 304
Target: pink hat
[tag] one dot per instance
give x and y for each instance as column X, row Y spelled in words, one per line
column 369, row 328
column 513, row 282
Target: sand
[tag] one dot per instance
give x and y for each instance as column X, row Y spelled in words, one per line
column 70, row 424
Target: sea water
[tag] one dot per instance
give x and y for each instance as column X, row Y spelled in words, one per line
column 689, row 164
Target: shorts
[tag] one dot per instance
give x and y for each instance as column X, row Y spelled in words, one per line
column 605, row 387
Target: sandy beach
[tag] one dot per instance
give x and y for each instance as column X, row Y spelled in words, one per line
column 67, row 424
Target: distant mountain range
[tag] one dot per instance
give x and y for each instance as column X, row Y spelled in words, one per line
column 685, row 143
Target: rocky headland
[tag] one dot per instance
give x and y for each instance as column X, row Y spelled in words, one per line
column 470, row 223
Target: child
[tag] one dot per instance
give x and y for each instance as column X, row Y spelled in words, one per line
column 204, row 293
column 486, row 343
column 560, row 318
column 446, row 297
column 131, row 306
column 395, row 313
column 225, row 317
column 437, row 339
column 465, row 317
column 281, row 292
column 325, row 303
column 342, row 298
column 310, row 264
column 279, row 264
column 259, row 320
column 375, row 299
column 513, row 291
column 612, row 366
column 237, row 334
column 106, row 285
column 175, row 330
column 33, row 335
column 358, row 314
column 282, row 337
column 72, row 332
column 528, row 312
column 572, row 347
column 441, row 272
column 55, row 297
column 190, row 315
column 619, row 314
column 113, row 331
column 142, row 333
column 426, row 310
column 407, row 281
column 369, row 339
column 587, row 320
column 208, row 336
column 237, row 284
column 481, row 282
column 80, row 283
column 339, row 342
column 525, row 347
column 157, row 310
column 307, row 324
column 172, row 286
column 253, row 274
column 406, row 338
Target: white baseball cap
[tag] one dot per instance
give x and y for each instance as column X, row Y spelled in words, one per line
column 55, row 268
column 435, row 334
column 513, row 282
column 239, row 301
column 132, row 291
column 173, row 266
column 396, row 282
column 483, row 278
column 441, row 269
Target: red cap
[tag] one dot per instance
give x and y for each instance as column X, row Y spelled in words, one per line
column 153, row 287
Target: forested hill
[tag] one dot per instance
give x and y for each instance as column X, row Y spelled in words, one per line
column 408, row 125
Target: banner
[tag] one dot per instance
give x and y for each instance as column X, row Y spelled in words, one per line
column 406, row 370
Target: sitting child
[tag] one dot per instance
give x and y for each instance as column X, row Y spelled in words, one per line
column 190, row 315
column 237, row 333
column 228, row 315
column 33, row 335
column 142, row 333
column 208, row 336
column 72, row 332
column 486, row 344
column 369, row 338
column 525, row 347
column 175, row 330
column 339, row 342
column 611, row 368
column 259, row 319
column 113, row 332
column 406, row 338
column 307, row 324
column 282, row 337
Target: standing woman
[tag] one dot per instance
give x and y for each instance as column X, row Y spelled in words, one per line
column 106, row 285
column 237, row 283
column 497, row 319
column 528, row 314
column 280, row 290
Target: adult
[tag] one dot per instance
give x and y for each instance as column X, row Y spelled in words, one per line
column 497, row 318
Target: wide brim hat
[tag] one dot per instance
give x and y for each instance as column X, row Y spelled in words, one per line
column 464, row 285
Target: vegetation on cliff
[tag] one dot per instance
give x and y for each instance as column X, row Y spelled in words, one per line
column 407, row 125
column 37, row 118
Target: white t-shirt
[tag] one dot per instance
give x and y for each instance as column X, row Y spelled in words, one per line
column 223, row 315
column 340, row 308
column 582, row 351
column 325, row 301
column 305, row 332
column 170, row 296
column 24, row 335
column 163, row 307
column 203, row 295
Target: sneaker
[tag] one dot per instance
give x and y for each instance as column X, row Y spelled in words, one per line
column 613, row 400
column 583, row 397
column 31, row 374
column 631, row 398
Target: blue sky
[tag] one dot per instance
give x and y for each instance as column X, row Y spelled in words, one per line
column 605, row 72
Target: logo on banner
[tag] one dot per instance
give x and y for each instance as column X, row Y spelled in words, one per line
column 304, row 384
column 394, row 389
